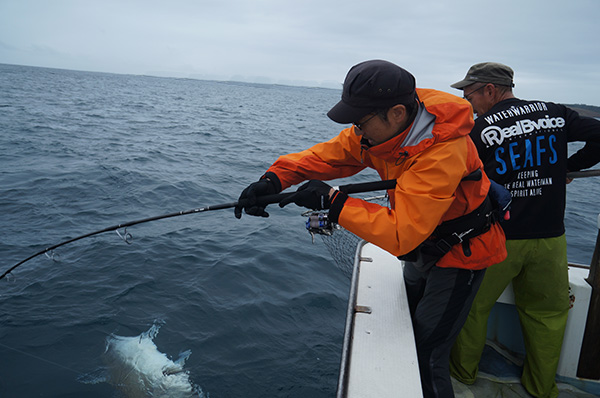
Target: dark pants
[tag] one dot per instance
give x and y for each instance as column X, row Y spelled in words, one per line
column 439, row 300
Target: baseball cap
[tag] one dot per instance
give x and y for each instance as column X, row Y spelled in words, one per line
column 487, row 72
column 372, row 85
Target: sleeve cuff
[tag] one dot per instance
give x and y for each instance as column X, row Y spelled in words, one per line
column 337, row 204
column 272, row 177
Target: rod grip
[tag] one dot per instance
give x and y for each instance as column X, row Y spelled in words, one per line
column 350, row 188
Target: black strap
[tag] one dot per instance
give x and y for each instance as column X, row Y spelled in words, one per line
column 450, row 233
column 468, row 226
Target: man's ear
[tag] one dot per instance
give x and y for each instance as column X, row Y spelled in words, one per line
column 398, row 113
column 490, row 88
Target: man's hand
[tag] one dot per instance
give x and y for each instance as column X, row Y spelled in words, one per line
column 315, row 195
column 267, row 185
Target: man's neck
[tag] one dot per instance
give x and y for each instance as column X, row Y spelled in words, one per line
column 505, row 96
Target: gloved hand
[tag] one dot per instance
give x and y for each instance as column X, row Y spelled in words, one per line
column 268, row 184
column 314, row 195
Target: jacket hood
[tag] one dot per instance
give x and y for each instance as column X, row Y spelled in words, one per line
column 440, row 117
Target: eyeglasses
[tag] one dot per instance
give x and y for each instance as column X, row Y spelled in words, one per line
column 361, row 125
column 466, row 96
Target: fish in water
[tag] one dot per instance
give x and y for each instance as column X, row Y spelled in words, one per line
column 138, row 369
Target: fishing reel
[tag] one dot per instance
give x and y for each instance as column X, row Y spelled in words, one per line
column 318, row 223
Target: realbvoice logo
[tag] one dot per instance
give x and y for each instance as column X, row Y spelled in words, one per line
column 496, row 135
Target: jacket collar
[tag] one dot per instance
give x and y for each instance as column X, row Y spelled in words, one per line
column 417, row 137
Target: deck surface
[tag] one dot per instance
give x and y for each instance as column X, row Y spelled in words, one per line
column 383, row 358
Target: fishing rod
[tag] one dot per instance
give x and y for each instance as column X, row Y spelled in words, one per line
column 583, row 173
column 261, row 200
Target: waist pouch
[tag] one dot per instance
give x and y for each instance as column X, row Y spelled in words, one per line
column 450, row 233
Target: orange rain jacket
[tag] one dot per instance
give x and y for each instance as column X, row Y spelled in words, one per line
column 428, row 161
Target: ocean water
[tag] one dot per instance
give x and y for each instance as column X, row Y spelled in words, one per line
column 248, row 308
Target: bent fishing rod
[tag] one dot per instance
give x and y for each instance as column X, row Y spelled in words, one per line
column 261, row 200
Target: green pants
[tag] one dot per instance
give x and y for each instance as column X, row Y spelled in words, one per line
column 538, row 271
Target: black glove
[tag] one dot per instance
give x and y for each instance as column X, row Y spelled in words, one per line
column 314, row 195
column 268, row 184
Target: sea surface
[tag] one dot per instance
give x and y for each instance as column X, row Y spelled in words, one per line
column 248, row 308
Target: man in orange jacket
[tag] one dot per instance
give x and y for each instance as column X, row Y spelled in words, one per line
column 440, row 219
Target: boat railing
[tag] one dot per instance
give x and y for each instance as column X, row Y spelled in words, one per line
column 589, row 366
column 343, row 376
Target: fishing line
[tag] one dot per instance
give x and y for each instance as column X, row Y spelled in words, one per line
column 43, row 360
column 262, row 200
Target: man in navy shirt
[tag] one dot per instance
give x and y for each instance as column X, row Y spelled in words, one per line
column 523, row 146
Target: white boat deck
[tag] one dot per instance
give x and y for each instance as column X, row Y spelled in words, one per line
column 382, row 359
column 379, row 357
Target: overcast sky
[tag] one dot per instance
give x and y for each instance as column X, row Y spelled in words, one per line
column 553, row 46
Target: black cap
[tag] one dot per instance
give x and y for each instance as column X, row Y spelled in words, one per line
column 487, row 72
column 372, row 85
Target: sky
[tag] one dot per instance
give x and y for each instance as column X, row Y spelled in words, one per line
column 553, row 46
